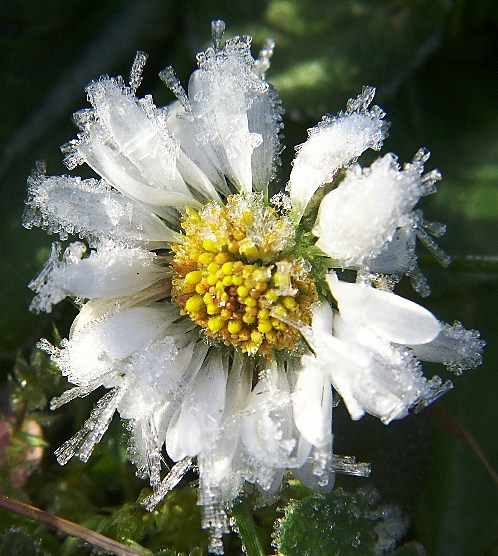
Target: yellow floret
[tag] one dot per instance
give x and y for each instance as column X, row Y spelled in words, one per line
column 221, row 258
column 249, row 319
column 235, row 326
column 227, row 268
column 216, row 323
column 242, row 291
column 250, row 302
column 205, row 258
column 193, row 277
column 212, row 309
column 211, row 279
column 249, row 251
column 256, row 336
column 289, row 302
column 264, row 326
column 209, row 245
column 194, row 303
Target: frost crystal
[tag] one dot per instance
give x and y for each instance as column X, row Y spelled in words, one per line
column 209, row 313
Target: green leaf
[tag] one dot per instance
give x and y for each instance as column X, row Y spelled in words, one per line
column 339, row 523
column 177, row 522
column 32, row 440
column 128, row 525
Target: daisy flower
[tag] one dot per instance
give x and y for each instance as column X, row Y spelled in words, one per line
column 209, row 309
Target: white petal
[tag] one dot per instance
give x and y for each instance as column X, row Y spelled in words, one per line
column 397, row 256
column 388, row 315
column 97, row 309
column 238, row 388
column 264, row 118
column 384, row 385
column 115, row 170
column 67, row 205
column 333, row 144
column 322, row 317
column 100, row 345
column 196, row 178
column 454, row 346
column 126, row 141
column 184, row 128
column 312, row 403
column 358, row 218
column 267, row 430
column 195, row 427
column 313, row 476
column 219, row 460
column 135, row 135
column 111, row 271
column 221, row 92
column 158, row 376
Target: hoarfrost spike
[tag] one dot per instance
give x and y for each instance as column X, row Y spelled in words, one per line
column 169, row 78
column 262, row 64
column 136, row 70
column 217, row 31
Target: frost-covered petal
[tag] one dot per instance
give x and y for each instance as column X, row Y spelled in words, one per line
column 140, row 139
column 396, row 256
column 267, row 430
column 456, row 347
column 99, row 345
column 156, row 374
column 221, row 93
column 379, row 379
column 333, row 144
column 362, row 214
column 312, row 403
column 195, row 426
column 110, row 271
column 135, row 132
column 196, row 178
column 92, row 210
column 115, row 169
column 97, row 309
column 323, row 318
column 387, row 314
column 313, row 476
column 264, row 118
column 182, row 126
column 159, row 377
column 218, row 458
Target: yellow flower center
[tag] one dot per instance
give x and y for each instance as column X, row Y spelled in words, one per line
column 233, row 276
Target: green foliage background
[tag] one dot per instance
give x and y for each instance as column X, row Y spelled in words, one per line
column 434, row 63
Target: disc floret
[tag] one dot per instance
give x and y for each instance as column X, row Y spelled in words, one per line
column 234, row 275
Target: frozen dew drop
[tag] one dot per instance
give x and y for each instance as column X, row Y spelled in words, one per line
column 262, row 64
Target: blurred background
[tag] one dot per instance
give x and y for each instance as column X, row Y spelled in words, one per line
column 434, row 63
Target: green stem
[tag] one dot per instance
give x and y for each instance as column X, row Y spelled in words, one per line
column 247, row 528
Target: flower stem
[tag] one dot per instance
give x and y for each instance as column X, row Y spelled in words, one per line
column 95, row 539
column 247, row 528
